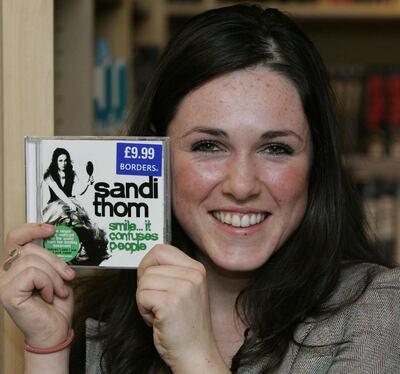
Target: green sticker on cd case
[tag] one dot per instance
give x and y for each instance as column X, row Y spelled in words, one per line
column 64, row 243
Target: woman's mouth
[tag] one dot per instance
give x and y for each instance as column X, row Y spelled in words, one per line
column 239, row 219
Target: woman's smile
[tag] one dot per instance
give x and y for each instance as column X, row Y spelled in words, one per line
column 236, row 219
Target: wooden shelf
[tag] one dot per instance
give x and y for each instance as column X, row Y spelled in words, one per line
column 365, row 168
column 311, row 10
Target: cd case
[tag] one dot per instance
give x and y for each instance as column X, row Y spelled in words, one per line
column 108, row 197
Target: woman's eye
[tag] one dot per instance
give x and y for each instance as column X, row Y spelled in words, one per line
column 206, row 146
column 278, row 149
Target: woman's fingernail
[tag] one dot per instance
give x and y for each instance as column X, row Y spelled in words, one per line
column 47, row 227
column 69, row 270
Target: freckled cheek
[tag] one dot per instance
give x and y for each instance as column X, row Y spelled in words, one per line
column 288, row 185
column 193, row 182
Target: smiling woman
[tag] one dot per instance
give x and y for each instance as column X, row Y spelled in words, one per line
column 270, row 269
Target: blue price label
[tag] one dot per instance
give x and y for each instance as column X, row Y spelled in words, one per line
column 139, row 159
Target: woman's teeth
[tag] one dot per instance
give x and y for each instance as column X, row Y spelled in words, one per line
column 236, row 220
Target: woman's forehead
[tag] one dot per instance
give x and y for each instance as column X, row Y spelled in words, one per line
column 248, row 96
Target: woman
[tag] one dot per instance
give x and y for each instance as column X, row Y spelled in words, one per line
column 61, row 179
column 64, row 209
column 270, row 269
column 60, row 175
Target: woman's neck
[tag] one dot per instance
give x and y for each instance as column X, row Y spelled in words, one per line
column 223, row 285
column 224, row 288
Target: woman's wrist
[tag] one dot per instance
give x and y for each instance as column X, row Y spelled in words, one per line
column 52, row 359
column 53, row 348
column 55, row 363
column 48, row 338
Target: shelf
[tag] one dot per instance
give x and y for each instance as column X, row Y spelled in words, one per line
column 310, row 10
column 364, row 168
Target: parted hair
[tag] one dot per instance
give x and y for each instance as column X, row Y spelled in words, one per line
column 297, row 281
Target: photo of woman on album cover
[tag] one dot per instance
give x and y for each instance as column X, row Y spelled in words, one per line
column 63, row 207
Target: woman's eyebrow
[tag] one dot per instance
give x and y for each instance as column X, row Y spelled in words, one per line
column 279, row 133
column 208, row 131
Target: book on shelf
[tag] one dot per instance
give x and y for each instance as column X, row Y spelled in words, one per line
column 347, row 85
column 382, row 207
column 393, row 117
column 110, row 91
column 369, row 109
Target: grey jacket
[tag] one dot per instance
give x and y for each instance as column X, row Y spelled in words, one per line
column 362, row 338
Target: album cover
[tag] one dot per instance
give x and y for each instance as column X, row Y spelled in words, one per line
column 107, row 196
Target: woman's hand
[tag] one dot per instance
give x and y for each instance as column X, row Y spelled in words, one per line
column 34, row 289
column 172, row 297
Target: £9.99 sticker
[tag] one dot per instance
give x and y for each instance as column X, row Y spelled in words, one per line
column 139, row 159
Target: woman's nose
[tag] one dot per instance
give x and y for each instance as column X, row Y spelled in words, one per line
column 241, row 180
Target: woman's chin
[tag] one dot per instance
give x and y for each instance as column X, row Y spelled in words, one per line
column 232, row 263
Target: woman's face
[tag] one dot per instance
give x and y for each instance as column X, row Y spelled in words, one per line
column 62, row 162
column 241, row 152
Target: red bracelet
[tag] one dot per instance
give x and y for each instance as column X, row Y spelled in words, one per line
column 56, row 348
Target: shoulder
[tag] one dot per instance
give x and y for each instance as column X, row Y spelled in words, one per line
column 378, row 305
column 49, row 178
column 380, row 275
column 372, row 275
column 364, row 293
column 362, row 335
column 370, row 282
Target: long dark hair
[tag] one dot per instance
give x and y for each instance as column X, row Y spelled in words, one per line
column 299, row 278
column 52, row 170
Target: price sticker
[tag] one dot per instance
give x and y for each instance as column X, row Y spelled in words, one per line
column 139, row 159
